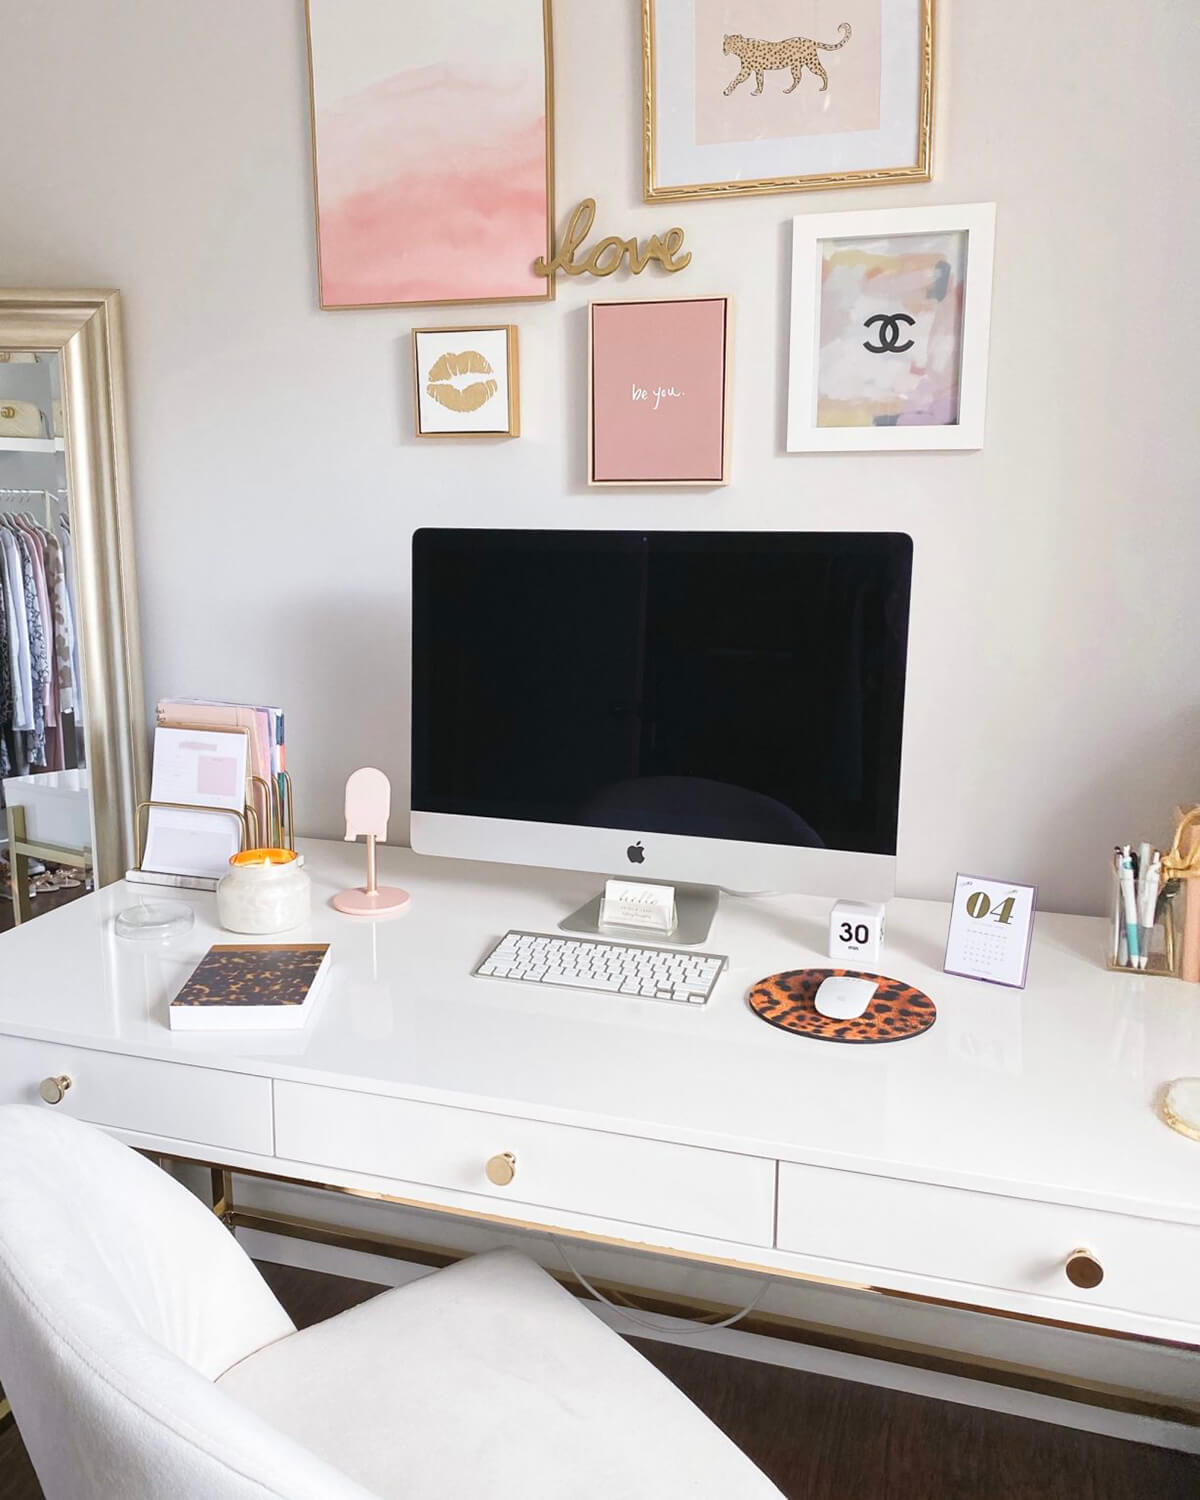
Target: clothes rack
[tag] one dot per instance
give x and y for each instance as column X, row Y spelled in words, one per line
column 39, row 674
column 47, row 497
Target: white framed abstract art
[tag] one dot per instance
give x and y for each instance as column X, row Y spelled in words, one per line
column 433, row 164
column 889, row 332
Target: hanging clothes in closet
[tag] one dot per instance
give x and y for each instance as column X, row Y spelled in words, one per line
column 39, row 686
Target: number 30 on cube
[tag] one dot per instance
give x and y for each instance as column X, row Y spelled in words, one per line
column 856, row 932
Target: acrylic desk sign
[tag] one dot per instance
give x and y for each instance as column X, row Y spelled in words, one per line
column 658, row 392
column 607, row 255
column 991, row 929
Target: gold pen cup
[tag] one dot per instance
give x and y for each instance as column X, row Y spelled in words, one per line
column 1159, row 943
column 1150, row 933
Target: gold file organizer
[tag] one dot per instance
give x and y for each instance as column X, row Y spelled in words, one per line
column 247, row 816
column 269, row 824
column 277, row 812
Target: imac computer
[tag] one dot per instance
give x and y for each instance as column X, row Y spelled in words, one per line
column 722, row 709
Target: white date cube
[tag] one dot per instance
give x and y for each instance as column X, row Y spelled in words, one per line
column 856, row 932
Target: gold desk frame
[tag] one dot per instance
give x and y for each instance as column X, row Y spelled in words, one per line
column 772, row 1325
column 83, row 328
column 920, row 170
column 1004, row 1373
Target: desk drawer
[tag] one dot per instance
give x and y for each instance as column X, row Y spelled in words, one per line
column 988, row 1240
column 200, row 1106
column 711, row 1193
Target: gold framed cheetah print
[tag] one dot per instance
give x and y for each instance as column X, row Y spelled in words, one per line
column 777, row 96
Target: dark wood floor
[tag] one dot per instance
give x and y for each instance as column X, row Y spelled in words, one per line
column 44, row 902
column 823, row 1439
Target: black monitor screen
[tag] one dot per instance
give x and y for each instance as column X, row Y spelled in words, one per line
column 740, row 685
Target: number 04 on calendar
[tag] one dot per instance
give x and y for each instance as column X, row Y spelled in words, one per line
column 991, row 928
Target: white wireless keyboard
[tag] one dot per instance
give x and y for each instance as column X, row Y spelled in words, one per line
column 609, row 968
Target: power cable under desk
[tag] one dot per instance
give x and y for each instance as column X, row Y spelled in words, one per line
column 639, row 1319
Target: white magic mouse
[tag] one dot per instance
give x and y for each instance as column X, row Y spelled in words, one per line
column 842, row 999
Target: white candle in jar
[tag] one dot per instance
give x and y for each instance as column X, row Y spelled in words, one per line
column 266, row 890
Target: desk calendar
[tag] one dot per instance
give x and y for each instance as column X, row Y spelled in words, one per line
column 991, row 928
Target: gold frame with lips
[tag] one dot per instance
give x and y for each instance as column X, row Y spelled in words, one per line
column 921, row 170
column 546, row 295
column 513, row 374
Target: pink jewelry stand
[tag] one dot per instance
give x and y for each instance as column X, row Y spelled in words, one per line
column 368, row 804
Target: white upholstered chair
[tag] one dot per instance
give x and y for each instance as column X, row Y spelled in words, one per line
column 146, row 1359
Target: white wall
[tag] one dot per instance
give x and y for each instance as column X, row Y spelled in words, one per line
column 1053, row 699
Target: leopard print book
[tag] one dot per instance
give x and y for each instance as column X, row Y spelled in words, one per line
column 896, row 1012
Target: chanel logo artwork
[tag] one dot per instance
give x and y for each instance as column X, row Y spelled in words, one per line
column 889, row 333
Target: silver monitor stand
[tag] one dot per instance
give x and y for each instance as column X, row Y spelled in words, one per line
column 695, row 908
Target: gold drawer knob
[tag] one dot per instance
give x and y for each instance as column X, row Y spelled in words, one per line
column 53, row 1090
column 1084, row 1270
column 501, row 1169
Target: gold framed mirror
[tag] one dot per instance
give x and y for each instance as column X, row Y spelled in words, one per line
column 77, row 334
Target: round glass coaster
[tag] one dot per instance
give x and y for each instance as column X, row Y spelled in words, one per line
column 154, row 921
column 1180, row 1106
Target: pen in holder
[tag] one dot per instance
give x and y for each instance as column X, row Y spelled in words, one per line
column 368, row 805
column 1135, row 944
column 1151, row 929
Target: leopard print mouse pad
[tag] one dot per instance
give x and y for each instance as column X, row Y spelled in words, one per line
column 896, row 1012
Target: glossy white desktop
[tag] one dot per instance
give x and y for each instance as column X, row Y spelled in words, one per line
column 967, row 1164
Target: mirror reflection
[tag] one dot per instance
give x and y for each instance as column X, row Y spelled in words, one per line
column 45, row 814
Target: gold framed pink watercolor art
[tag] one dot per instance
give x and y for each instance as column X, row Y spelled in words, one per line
column 433, row 160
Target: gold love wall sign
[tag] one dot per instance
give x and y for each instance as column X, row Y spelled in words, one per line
column 607, row 255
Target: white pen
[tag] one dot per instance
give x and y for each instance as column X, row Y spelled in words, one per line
column 1147, row 901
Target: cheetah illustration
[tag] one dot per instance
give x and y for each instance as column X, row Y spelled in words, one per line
column 795, row 52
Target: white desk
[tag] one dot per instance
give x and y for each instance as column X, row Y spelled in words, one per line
column 965, row 1164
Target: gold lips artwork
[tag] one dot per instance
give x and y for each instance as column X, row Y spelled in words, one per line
column 461, row 398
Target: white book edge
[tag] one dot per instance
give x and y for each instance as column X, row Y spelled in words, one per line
column 224, row 1017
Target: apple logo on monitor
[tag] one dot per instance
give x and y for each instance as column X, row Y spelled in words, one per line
column 636, row 854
